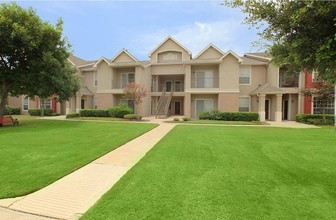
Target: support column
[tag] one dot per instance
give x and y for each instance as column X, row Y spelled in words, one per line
column 67, row 106
column 78, row 103
column 261, row 109
column 187, row 105
column 278, row 111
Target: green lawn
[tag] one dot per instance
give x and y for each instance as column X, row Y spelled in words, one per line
column 38, row 152
column 218, row 122
column 229, row 173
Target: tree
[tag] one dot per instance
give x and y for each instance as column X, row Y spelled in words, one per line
column 135, row 92
column 323, row 93
column 33, row 57
column 301, row 34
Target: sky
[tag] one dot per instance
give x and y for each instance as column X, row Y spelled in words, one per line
column 103, row 28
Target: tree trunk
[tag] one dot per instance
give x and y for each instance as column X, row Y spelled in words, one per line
column 42, row 105
column 323, row 112
column 335, row 107
column 3, row 100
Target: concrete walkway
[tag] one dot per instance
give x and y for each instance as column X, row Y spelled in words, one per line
column 74, row 194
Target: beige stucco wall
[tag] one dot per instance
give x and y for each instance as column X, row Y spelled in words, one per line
column 293, row 99
column 229, row 73
column 210, row 53
column 254, row 103
column 258, row 77
column 228, row 102
column 104, row 100
column 18, row 101
column 123, row 58
column 169, row 45
column 87, row 80
column 167, row 69
column 213, row 68
column 272, row 75
column 104, row 74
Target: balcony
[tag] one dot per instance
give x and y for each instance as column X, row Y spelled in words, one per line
column 288, row 81
column 176, row 86
column 205, row 82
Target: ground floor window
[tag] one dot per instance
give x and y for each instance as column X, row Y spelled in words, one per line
column 203, row 105
column 129, row 103
column 25, row 103
column 46, row 103
column 244, row 104
column 318, row 107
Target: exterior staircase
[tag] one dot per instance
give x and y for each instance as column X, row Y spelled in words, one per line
column 162, row 108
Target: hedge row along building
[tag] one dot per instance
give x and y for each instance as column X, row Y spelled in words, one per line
column 179, row 84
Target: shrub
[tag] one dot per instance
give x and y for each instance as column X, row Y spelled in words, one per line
column 72, row 115
column 315, row 119
column 186, row 119
column 176, row 119
column 229, row 116
column 38, row 112
column 12, row 111
column 119, row 111
column 93, row 113
column 132, row 116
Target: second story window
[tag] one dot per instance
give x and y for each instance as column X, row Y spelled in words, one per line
column 245, row 75
column 204, row 79
column 95, row 79
column 127, row 78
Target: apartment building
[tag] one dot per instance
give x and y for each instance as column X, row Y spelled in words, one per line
column 180, row 84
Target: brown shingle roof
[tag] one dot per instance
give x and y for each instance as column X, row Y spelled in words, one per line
column 78, row 61
column 251, row 61
column 267, row 89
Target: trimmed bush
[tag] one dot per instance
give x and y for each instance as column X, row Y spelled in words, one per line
column 229, row 116
column 12, row 111
column 315, row 119
column 37, row 112
column 93, row 113
column 72, row 115
column 131, row 116
column 120, row 111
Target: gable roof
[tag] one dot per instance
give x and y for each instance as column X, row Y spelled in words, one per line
column 206, row 48
column 100, row 60
column 262, row 56
column 233, row 54
column 76, row 61
column 127, row 53
column 267, row 89
column 164, row 41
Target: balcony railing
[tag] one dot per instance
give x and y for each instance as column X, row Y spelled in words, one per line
column 205, row 82
column 177, row 87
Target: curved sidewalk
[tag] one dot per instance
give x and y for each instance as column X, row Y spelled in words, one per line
column 74, row 194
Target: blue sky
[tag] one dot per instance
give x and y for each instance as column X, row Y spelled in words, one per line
column 103, row 28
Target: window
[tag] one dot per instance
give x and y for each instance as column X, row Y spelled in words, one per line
column 46, row 103
column 203, row 106
column 245, row 75
column 25, row 103
column 318, row 107
column 129, row 103
column 204, row 79
column 169, row 56
column 127, row 78
column 244, row 104
column 95, row 79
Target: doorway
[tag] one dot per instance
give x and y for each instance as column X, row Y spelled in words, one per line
column 177, row 108
column 267, row 109
column 168, row 85
column 285, row 106
column 82, row 103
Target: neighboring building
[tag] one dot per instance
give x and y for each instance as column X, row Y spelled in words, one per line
column 213, row 79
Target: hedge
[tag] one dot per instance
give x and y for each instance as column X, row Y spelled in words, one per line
column 12, row 111
column 93, row 113
column 120, row 111
column 130, row 116
column 72, row 115
column 229, row 116
column 37, row 112
column 315, row 118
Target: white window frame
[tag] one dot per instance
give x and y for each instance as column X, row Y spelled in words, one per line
column 205, row 84
column 46, row 102
column 249, row 103
column 250, row 74
column 196, row 100
column 95, row 79
column 127, row 78
column 23, row 103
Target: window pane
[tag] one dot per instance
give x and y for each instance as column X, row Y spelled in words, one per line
column 244, row 104
column 244, row 75
column 131, row 77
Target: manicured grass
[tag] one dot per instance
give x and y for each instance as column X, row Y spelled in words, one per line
column 218, row 122
column 97, row 119
column 199, row 172
column 38, row 152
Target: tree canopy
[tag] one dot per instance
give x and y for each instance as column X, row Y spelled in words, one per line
column 302, row 33
column 33, row 56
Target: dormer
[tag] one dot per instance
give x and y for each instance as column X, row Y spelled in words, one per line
column 124, row 57
column 210, row 52
column 169, row 51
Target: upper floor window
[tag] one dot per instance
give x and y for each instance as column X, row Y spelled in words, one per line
column 127, row 78
column 170, row 56
column 245, row 75
column 204, row 79
column 286, row 80
column 25, row 103
column 95, row 79
column 244, row 104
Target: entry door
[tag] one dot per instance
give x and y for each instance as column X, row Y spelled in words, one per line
column 177, row 108
column 285, row 106
column 203, row 106
column 168, row 86
column 267, row 108
column 82, row 103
